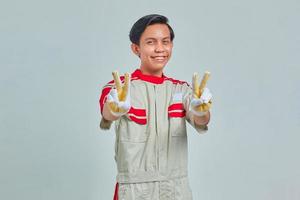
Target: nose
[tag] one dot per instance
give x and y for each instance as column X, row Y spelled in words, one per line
column 159, row 47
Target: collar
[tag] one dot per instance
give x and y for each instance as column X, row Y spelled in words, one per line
column 148, row 78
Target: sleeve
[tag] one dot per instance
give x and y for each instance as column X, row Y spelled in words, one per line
column 105, row 124
column 103, row 96
column 187, row 97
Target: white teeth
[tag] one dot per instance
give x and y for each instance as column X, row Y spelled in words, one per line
column 159, row 57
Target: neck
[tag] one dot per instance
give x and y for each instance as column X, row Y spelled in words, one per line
column 146, row 71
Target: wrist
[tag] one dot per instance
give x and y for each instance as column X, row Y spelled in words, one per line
column 202, row 119
column 108, row 113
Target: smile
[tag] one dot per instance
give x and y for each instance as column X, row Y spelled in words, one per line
column 159, row 58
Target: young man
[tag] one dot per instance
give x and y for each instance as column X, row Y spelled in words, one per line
column 150, row 111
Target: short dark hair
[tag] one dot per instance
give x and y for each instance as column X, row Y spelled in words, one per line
column 140, row 25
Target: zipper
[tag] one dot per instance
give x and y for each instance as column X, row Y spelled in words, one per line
column 156, row 130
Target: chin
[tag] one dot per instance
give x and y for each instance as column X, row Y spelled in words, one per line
column 157, row 67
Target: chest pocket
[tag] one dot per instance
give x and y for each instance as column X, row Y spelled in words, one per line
column 137, row 115
column 133, row 126
column 176, row 115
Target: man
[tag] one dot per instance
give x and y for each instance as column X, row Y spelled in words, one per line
column 150, row 111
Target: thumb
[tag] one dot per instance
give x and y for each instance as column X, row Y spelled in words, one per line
column 113, row 95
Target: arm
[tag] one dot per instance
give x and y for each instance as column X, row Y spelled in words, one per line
column 115, row 102
column 199, row 123
column 197, row 103
column 107, row 113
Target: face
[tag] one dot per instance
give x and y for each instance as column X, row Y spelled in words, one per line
column 155, row 48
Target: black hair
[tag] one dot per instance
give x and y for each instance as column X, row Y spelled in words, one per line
column 140, row 25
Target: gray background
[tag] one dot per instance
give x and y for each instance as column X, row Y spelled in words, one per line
column 55, row 56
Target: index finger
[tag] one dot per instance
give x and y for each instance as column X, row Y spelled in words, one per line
column 196, row 91
column 117, row 81
column 204, row 81
column 126, row 83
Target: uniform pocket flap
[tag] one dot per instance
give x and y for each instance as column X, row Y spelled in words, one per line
column 176, row 110
column 137, row 115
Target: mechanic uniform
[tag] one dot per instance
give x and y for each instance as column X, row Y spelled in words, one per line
column 151, row 139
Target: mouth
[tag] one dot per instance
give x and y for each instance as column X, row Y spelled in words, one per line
column 159, row 58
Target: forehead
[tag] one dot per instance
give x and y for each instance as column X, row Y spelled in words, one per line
column 156, row 31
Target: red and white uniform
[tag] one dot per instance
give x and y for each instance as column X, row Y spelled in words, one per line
column 151, row 139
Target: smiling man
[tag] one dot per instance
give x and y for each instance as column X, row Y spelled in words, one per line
column 150, row 111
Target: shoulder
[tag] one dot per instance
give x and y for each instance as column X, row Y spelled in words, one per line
column 176, row 81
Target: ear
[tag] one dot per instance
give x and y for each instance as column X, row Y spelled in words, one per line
column 135, row 49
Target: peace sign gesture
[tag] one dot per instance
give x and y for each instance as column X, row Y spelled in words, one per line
column 119, row 97
column 201, row 101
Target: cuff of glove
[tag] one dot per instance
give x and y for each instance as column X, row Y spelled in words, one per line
column 118, row 114
column 197, row 113
column 119, row 109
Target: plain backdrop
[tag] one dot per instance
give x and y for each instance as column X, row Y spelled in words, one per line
column 55, row 57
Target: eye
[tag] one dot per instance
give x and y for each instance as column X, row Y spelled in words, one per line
column 150, row 42
column 166, row 42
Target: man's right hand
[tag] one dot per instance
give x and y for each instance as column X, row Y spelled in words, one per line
column 118, row 98
column 201, row 101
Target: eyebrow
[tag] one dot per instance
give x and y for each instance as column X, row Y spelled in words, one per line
column 151, row 38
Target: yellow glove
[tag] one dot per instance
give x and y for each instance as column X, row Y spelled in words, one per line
column 201, row 101
column 119, row 97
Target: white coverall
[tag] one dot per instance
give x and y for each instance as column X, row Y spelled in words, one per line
column 151, row 139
